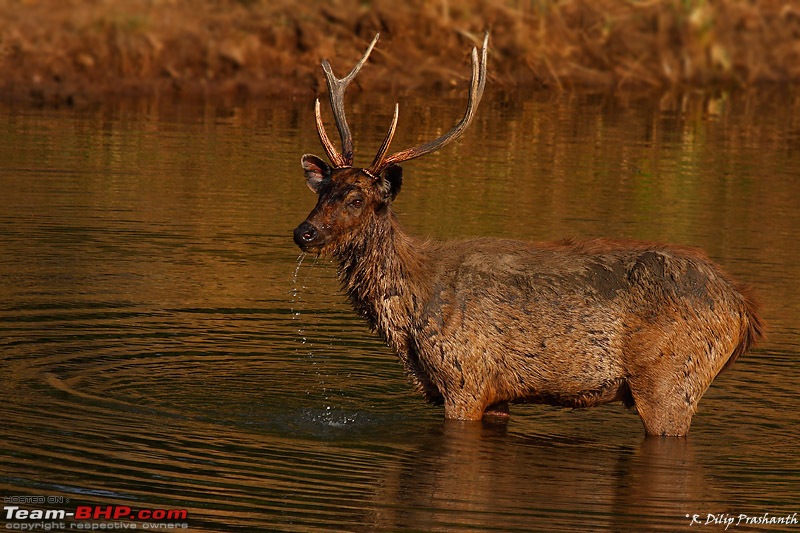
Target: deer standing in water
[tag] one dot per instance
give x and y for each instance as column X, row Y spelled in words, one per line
column 482, row 323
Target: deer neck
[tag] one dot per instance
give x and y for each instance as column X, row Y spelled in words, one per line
column 381, row 271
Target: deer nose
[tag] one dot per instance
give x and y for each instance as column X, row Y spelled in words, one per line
column 304, row 234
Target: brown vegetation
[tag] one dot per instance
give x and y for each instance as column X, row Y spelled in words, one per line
column 66, row 49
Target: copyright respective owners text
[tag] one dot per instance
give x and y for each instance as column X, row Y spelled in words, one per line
column 60, row 513
column 734, row 520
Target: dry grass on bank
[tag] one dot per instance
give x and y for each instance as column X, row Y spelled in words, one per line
column 56, row 49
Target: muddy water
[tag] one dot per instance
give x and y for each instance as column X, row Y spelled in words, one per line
column 162, row 347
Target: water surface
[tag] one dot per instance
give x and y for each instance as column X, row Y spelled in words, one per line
column 162, row 346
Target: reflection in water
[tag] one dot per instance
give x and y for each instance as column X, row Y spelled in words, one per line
column 164, row 345
column 477, row 476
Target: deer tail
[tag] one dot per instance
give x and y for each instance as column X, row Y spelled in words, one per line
column 751, row 324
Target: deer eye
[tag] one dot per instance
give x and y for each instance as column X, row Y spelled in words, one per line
column 357, row 202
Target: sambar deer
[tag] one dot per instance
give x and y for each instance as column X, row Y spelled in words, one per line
column 482, row 323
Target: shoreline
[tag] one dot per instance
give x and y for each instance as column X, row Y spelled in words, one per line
column 71, row 51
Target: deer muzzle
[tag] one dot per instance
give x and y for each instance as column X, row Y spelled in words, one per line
column 306, row 236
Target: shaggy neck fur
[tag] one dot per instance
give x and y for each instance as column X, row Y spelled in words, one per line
column 381, row 269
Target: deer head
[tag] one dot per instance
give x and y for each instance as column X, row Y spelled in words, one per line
column 348, row 197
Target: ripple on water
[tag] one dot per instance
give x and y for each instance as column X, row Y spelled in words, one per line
column 163, row 345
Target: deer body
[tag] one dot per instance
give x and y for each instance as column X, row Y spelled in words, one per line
column 482, row 323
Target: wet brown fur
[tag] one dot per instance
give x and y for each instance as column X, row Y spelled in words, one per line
column 482, row 323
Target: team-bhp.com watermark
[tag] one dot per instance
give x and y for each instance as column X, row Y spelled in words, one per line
column 22, row 513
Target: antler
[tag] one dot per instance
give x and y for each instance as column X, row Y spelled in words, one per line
column 477, row 84
column 336, row 89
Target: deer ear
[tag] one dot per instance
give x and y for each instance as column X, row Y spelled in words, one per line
column 317, row 171
column 394, row 177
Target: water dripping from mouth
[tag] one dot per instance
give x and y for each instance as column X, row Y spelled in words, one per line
column 296, row 297
column 307, row 352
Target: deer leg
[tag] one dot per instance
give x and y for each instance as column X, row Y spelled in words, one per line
column 664, row 407
column 455, row 409
column 497, row 411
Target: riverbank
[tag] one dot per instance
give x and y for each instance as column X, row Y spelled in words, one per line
column 73, row 50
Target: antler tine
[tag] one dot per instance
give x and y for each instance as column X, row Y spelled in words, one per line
column 376, row 163
column 333, row 155
column 477, row 84
column 336, row 89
